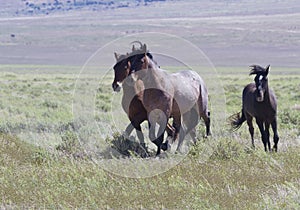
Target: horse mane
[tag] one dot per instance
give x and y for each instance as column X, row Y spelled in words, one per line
column 136, row 51
column 141, row 51
column 258, row 70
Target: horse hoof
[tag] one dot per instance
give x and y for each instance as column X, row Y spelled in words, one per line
column 274, row 149
column 164, row 146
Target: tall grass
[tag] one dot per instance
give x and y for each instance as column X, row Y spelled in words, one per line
column 62, row 173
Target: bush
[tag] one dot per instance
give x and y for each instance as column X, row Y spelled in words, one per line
column 126, row 147
column 40, row 156
column 227, row 149
column 289, row 117
column 70, row 144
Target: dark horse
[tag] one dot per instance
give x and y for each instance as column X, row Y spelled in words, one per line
column 132, row 96
column 259, row 101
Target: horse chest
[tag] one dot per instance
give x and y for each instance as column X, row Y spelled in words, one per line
column 262, row 111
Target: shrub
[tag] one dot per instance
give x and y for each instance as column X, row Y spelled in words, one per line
column 227, row 149
column 70, row 144
column 40, row 156
column 126, row 147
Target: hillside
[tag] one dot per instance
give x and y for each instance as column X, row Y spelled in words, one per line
column 46, row 7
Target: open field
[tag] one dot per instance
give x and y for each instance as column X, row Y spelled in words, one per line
column 57, row 174
column 44, row 92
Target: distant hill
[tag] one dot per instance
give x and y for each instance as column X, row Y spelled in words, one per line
column 36, row 7
column 170, row 8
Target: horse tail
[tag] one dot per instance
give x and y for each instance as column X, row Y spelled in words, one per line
column 236, row 120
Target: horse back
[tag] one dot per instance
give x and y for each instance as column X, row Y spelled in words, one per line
column 189, row 89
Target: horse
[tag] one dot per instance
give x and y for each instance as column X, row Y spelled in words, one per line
column 182, row 96
column 132, row 98
column 259, row 102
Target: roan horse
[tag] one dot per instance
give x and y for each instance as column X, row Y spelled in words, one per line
column 182, row 96
column 259, row 101
column 132, row 97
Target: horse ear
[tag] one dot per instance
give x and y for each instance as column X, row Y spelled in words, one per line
column 145, row 62
column 117, row 56
column 268, row 69
column 144, row 48
column 128, row 64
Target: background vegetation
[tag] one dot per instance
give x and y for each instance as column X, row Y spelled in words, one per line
column 60, row 174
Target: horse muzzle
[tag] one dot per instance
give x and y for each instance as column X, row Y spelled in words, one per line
column 259, row 99
column 260, row 96
column 116, row 87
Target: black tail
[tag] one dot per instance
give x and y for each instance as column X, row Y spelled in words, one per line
column 236, row 120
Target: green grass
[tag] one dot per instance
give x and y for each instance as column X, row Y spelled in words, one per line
column 52, row 169
column 222, row 182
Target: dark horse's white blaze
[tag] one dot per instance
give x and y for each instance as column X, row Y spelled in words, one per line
column 259, row 102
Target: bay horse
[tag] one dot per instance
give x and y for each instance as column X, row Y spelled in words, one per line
column 182, row 96
column 259, row 102
column 132, row 98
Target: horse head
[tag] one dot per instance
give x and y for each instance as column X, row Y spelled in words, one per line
column 261, row 81
column 121, row 69
column 138, row 59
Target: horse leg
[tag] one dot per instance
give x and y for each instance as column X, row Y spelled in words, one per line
column 251, row 128
column 176, row 125
column 139, row 133
column 207, row 123
column 262, row 131
column 152, row 137
column 136, row 121
column 203, row 109
column 276, row 137
column 128, row 130
column 182, row 134
column 190, row 120
column 159, row 141
column 267, row 127
column 178, row 130
column 172, row 132
column 161, row 118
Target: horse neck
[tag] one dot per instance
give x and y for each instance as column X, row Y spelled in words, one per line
column 152, row 64
column 129, row 87
column 153, row 71
column 267, row 92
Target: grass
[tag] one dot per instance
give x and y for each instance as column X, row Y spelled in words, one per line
column 220, row 183
column 55, row 171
